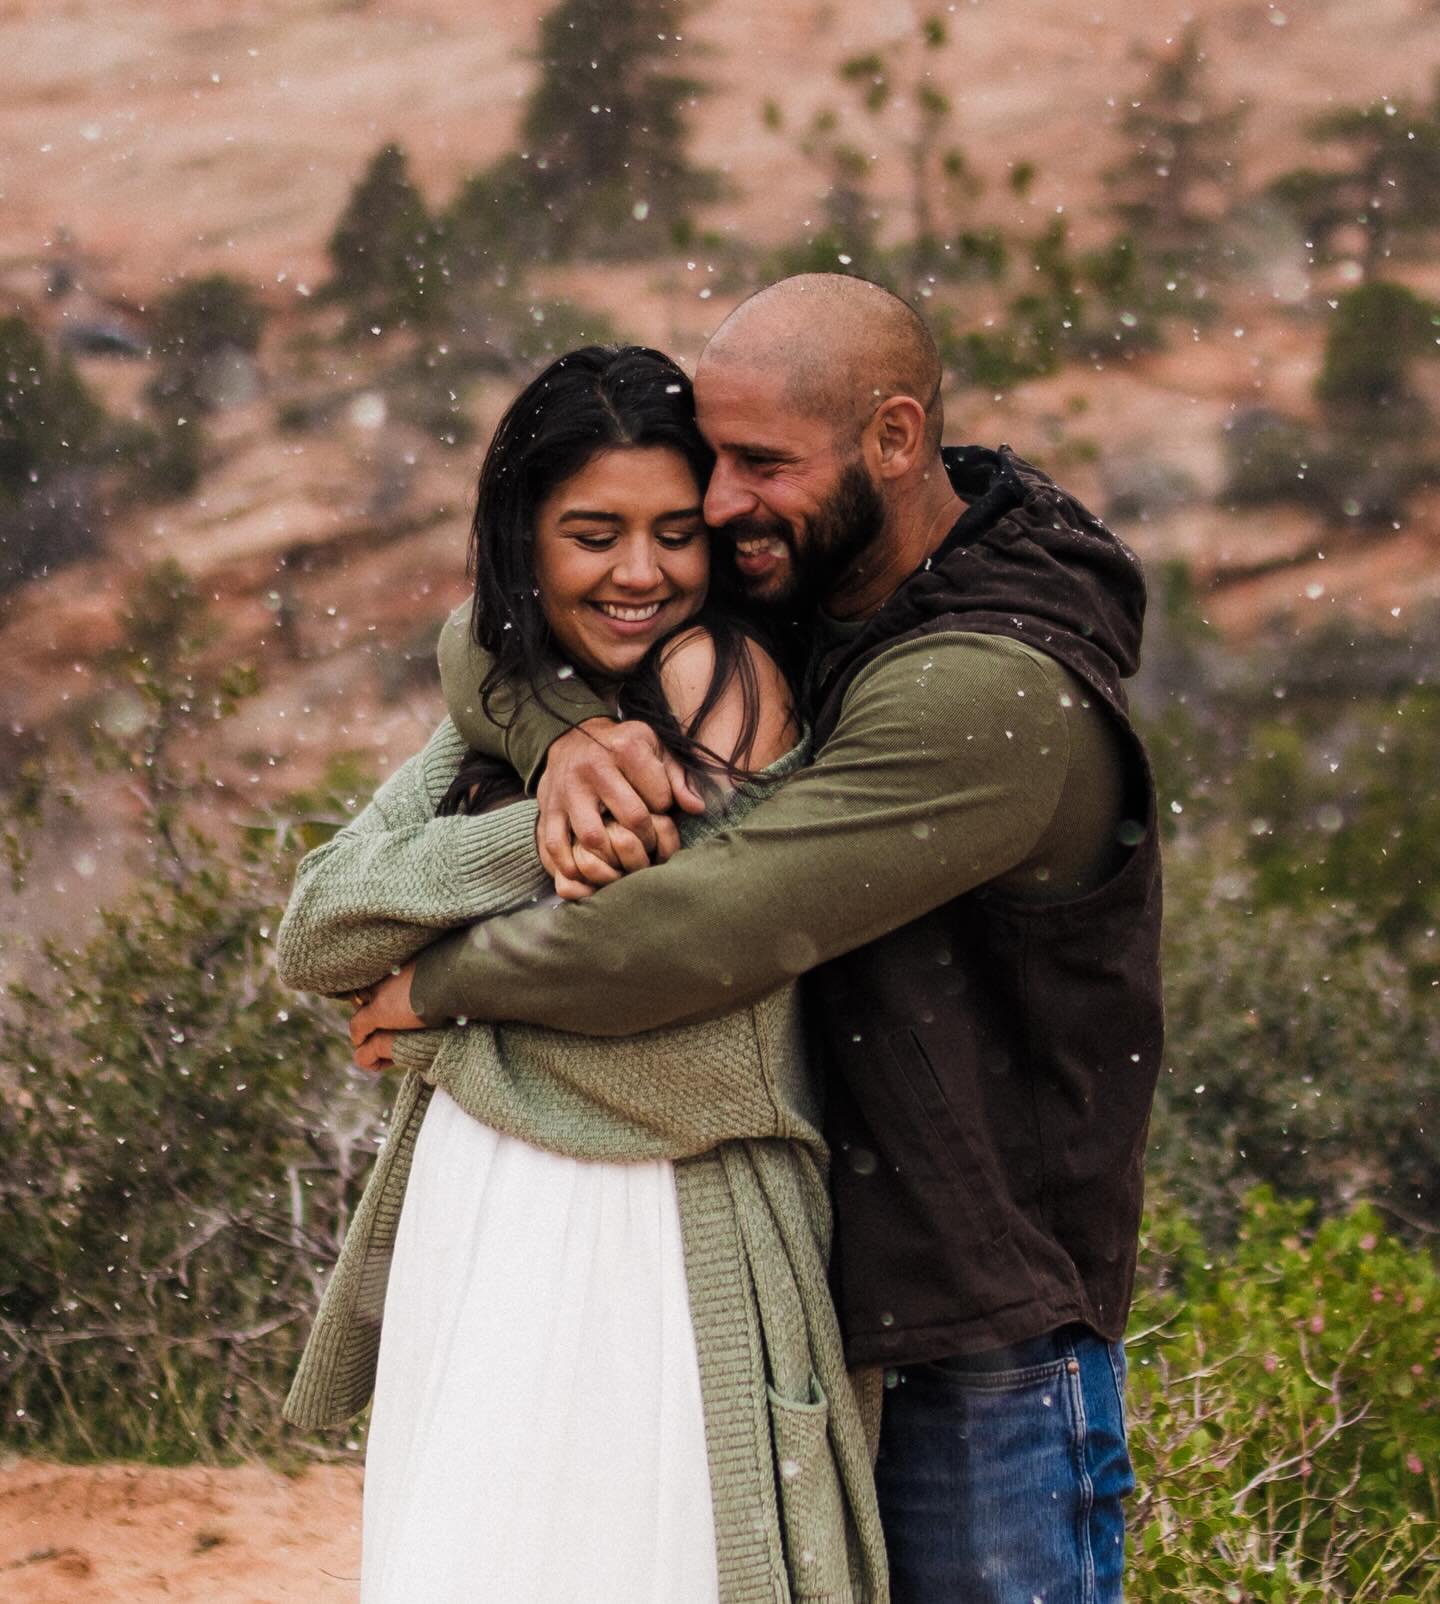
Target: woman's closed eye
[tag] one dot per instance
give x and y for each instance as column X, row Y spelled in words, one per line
column 603, row 540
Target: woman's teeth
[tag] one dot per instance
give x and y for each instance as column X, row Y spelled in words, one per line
column 629, row 615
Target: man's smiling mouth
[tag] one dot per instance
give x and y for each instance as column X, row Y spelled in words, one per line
column 756, row 545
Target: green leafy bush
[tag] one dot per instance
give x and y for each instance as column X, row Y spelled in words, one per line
column 48, row 420
column 1283, row 1414
column 1375, row 336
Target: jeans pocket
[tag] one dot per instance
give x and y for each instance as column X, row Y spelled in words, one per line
column 812, row 1508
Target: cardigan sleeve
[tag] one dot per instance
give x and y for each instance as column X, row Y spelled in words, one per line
column 394, row 877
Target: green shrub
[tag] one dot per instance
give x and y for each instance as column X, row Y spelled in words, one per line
column 1300, row 1053
column 181, row 1143
column 48, row 420
column 1347, row 811
column 1375, row 336
column 1282, row 1415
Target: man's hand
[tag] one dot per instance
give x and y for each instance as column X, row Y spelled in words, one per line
column 385, row 1010
column 605, row 799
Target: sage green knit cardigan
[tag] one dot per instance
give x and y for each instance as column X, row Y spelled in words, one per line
column 727, row 1099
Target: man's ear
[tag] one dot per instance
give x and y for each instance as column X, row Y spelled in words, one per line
column 897, row 436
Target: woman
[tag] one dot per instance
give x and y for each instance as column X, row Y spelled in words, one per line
column 554, row 1418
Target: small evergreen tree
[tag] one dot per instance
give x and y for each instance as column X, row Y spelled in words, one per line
column 1176, row 181
column 1388, row 191
column 384, row 250
column 605, row 130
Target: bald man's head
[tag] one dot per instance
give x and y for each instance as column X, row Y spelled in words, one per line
column 841, row 345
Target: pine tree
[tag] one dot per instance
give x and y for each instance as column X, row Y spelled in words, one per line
column 1388, row 193
column 603, row 169
column 382, row 246
column 1175, row 184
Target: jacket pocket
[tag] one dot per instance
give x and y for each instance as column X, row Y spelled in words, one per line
column 812, row 1508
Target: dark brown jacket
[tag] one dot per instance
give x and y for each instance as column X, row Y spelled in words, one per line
column 992, row 1064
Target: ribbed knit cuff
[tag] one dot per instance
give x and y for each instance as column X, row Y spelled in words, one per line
column 496, row 852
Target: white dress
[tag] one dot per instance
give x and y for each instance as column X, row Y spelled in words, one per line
column 537, row 1434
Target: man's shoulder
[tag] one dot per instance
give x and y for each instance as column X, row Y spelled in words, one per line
column 958, row 658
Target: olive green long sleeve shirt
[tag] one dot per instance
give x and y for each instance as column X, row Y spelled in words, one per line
column 959, row 760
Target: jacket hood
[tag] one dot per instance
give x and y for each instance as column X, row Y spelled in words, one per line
column 1025, row 559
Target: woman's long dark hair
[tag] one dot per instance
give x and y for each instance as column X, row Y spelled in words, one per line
column 599, row 398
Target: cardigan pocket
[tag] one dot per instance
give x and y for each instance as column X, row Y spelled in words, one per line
column 812, row 1509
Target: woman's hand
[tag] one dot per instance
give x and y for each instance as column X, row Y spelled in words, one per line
column 376, row 1052
column 592, row 871
column 385, row 1008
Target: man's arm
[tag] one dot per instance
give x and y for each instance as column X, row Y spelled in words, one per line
column 943, row 773
column 525, row 723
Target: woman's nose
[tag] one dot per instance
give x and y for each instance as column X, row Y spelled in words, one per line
column 637, row 565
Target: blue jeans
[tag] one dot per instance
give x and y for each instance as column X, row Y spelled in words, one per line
column 1001, row 1474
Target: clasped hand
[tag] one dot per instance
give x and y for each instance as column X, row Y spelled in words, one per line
column 605, row 798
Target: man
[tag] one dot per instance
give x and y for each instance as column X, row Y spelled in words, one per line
column 968, row 874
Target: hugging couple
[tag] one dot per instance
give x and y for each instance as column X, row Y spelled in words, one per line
column 768, row 943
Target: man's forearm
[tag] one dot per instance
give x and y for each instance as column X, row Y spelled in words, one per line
column 526, row 721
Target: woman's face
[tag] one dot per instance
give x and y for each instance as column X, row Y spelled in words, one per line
column 621, row 556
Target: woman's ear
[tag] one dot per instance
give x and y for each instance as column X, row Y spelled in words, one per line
column 897, row 436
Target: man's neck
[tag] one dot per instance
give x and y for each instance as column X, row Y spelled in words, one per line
column 915, row 528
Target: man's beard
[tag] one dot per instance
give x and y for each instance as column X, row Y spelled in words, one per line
column 844, row 527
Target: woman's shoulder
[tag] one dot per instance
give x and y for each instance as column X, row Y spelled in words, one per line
column 687, row 660
column 687, row 667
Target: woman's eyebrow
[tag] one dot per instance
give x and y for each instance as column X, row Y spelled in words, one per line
column 580, row 513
